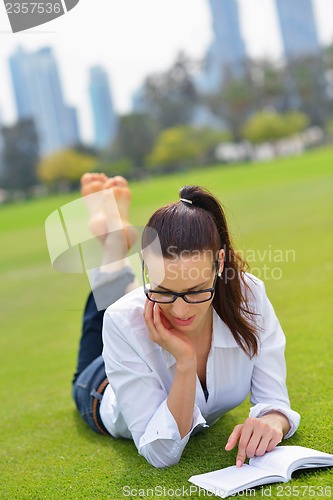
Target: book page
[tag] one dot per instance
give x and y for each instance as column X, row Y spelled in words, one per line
column 283, row 460
column 232, row 479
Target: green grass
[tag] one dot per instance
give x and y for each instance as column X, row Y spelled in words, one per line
column 46, row 450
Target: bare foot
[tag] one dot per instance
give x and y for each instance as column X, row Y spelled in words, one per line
column 108, row 201
column 91, row 184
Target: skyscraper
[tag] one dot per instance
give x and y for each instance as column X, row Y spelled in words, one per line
column 38, row 95
column 227, row 50
column 298, row 27
column 105, row 119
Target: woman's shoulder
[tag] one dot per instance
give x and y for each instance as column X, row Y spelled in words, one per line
column 253, row 290
column 252, row 282
column 129, row 305
column 124, row 320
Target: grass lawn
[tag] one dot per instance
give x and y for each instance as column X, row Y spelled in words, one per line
column 277, row 211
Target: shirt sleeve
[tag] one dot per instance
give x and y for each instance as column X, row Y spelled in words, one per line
column 268, row 385
column 142, row 399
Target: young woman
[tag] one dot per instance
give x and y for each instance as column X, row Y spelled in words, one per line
column 187, row 346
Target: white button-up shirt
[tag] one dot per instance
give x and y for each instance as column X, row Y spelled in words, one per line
column 141, row 373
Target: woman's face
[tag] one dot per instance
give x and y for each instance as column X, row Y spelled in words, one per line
column 191, row 272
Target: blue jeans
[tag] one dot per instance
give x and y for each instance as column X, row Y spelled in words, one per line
column 90, row 380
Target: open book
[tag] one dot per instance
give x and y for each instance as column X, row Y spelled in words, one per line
column 273, row 467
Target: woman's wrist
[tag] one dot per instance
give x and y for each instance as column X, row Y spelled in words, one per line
column 279, row 418
column 186, row 365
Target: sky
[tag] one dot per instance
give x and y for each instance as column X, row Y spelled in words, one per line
column 131, row 39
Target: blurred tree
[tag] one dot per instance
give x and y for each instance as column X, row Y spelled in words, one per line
column 117, row 166
column 174, row 148
column 85, row 149
column 295, row 122
column 234, row 103
column 136, row 136
column 305, row 85
column 269, row 126
column 268, row 82
column 63, row 169
column 264, row 126
column 178, row 146
column 208, row 139
column 171, row 97
column 327, row 53
column 328, row 66
column 20, row 156
column 329, row 128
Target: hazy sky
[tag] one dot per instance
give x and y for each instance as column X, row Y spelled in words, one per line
column 132, row 38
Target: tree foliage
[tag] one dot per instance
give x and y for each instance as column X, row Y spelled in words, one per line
column 329, row 128
column 136, row 135
column 267, row 126
column 116, row 166
column 170, row 97
column 178, row 146
column 65, row 167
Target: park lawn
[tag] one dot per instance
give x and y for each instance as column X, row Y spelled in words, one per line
column 280, row 214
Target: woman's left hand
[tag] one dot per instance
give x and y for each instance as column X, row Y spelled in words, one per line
column 257, row 435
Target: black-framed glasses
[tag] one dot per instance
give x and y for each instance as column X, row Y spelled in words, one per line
column 162, row 297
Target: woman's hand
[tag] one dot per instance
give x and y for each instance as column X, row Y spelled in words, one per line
column 257, row 435
column 162, row 332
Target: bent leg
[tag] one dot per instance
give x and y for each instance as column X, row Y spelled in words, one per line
column 109, row 213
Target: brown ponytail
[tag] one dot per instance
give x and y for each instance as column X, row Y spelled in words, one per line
column 199, row 224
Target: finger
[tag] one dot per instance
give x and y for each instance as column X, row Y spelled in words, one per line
column 262, row 446
column 148, row 311
column 258, row 433
column 147, row 302
column 159, row 325
column 244, row 439
column 149, row 319
column 273, row 443
column 233, row 438
column 164, row 320
column 156, row 311
column 157, row 314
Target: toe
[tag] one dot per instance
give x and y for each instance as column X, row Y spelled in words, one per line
column 120, row 181
column 110, row 183
column 86, row 178
column 92, row 187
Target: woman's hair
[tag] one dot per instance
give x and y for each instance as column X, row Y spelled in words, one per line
column 199, row 226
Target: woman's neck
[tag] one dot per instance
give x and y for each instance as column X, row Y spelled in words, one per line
column 203, row 333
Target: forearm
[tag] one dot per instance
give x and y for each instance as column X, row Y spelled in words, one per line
column 182, row 397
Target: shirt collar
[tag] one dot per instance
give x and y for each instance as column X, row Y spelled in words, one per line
column 222, row 336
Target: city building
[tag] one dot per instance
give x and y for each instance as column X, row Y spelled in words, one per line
column 38, row 94
column 298, row 27
column 227, row 51
column 104, row 116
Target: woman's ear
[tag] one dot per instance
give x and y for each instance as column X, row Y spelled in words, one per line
column 221, row 262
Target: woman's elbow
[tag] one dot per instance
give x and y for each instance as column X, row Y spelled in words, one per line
column 159, row 460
